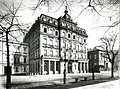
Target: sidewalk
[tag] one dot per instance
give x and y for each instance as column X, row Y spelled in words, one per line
column 37, row 81
column 106, row 85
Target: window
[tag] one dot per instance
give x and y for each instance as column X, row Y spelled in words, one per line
column 50, row 31
column 63, row 33
column 16, row 69
column 45, row 30
column 84, row 40
column 25, row 60
column 51, row 42
column 73, row 36
column 75, row 67
column 56, row 33
column 24, row 69
column 24, row 48
column 45, row 52
column 90, row 57
column 18, row 60
column 74, row 55
column 18, row 48
column 45, row 41
column 56, row 53
column 74, row 46
column 51, row 53
column 81, row 55
column 56, row 42
column 81, row 39
column 78, row 38
column 68, row 35
column 78, row 55
column 95, row 56
column 14, row 59
column 81, row 48
column 57, row 66
column 78, row 47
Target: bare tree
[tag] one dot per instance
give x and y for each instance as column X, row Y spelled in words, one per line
column 103, row 8
column 9, row 25
column 108, row 45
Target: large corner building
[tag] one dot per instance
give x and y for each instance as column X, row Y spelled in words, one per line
column 55, row 45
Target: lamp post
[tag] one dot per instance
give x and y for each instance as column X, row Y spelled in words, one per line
column 93, row 70
column 41, row 63
column 64, row 79
column 93, row 75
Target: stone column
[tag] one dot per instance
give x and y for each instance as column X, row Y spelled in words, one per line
column 87, row 66
column 84, row 67
column 80, row 67
column 55, row 66
column 49, row 66
column 42, row 67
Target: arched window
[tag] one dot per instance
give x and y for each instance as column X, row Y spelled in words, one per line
column 56, row 33
column 68, row 35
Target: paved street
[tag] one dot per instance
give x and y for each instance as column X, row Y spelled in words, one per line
column 38, row 81
column 107, row 85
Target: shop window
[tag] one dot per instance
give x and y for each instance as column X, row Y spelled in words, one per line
column 25, row 69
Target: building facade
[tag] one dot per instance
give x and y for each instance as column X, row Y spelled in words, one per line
column 55, row 45
column 97, row 61
column 21, row 62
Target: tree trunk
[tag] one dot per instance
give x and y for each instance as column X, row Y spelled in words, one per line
column 112, row 68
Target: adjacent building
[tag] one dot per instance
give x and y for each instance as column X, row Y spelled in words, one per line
column 55, row 45
column 3, row 55
column 21, row 62
column 97, row 61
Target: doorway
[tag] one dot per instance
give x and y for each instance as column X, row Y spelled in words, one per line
column 69, row 67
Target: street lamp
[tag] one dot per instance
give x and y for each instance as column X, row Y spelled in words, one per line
column 64, row 79
column 93, row 70
column 64, row 70
column 41, row 63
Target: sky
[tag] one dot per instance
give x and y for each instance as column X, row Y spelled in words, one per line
column 88, row 19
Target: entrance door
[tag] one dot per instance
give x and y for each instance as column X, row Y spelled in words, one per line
column 69, row 67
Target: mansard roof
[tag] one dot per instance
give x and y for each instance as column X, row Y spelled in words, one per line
column 64, row 22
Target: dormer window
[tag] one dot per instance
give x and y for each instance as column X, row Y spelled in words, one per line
column 68, row 35
column 84, row 40
column 73, row 36
column 45, row 30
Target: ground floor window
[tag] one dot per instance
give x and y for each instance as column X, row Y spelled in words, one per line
column 16, row 69
column 69, row 67
column 46, row 66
